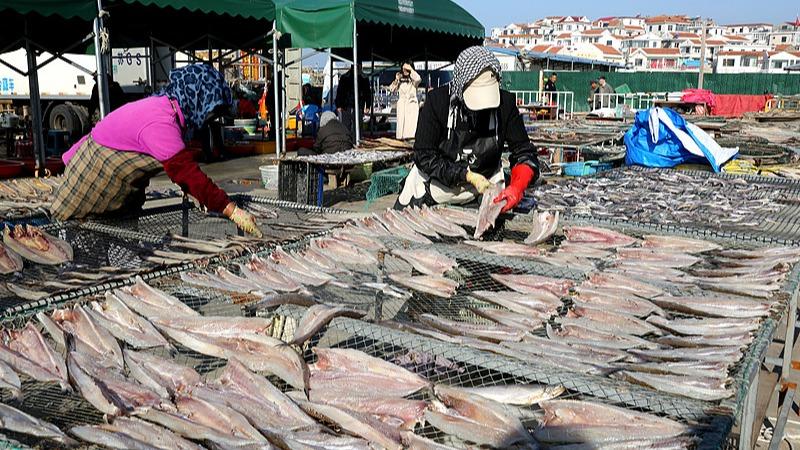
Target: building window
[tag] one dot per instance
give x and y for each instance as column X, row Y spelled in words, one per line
column 669, row 28
column 638, row 63
column 659, row 28
column 777, row 64
column 728, row 62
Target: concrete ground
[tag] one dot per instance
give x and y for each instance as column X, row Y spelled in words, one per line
column 242, row 175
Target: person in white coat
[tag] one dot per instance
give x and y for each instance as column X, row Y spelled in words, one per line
column 405, row 84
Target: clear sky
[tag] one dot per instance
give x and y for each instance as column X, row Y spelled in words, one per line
column 493, row 13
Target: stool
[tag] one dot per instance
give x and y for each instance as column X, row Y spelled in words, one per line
column 58, row 142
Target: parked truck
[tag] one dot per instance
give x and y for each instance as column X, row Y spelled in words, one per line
column 66, row 90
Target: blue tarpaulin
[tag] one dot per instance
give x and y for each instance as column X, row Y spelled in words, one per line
column 660, row 137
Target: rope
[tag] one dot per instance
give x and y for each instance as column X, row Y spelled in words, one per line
column 105, row 45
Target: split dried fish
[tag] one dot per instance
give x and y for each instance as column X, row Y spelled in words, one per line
column 489, row 210
column 428, row 262
column 434, row 285
column 518, row 394
column 507, row 248
column 12, row 419
column 35, row 245
column 10, row 261
column 545, row 224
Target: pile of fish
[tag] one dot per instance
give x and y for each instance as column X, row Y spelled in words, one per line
column 23, row 195
column 30, row 243
column 666, row 197
column 354, row 157
column 152, row 401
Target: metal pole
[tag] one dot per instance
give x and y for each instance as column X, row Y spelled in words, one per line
column 372, row 107
column 702, row 57
column 357, row 118
column 276, row 114
column 330, row 85
column 102, row 81
column 36, row 106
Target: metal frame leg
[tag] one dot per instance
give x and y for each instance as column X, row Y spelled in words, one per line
column 780, row 424
column 320, row 185
column 746, row 424
column 185, row 216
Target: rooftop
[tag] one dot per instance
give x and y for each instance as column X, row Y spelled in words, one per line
column 659, row 51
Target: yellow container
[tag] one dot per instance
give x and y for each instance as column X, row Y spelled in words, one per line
column 265, row 147
column 291, row 124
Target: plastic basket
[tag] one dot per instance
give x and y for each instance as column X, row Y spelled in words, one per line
column 583, row 168
column 386, row 182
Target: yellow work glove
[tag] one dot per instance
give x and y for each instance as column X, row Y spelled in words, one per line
column 243, row 219
column 479, row 181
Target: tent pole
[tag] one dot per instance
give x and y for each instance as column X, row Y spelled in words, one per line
column 36, row 106
column 102, row 81
column 356, row 74
column 330, row 75
column 372, row 106
column 276, row 114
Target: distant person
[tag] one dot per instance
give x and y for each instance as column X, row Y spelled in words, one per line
column 345, row 103
column 550, row 89
column 405, row 84
column 116, row 98
column 332, row 137
column 593, row 102
column 605, row 88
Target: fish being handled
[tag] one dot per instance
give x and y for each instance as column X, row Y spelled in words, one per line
column 489, row 211
column 545, row 224
column 35, row 245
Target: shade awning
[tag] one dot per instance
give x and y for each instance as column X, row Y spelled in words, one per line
column 67, row 9
column 248, row 9
column 329, row 23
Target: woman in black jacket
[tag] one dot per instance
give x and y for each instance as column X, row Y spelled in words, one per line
column 463, row 128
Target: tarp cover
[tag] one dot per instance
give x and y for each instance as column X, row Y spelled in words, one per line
column 68, row 9
column 329, row 23
column 251, row 9
column 660, row 137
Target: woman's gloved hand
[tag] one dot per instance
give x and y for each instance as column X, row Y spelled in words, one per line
column 521, row 176
column 479, row 181
column 243, row 219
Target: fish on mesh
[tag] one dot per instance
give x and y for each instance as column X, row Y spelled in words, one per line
column 728, row 355
column 678, row 244
column 89, row 336
column 476, row 419
column 576, row 334
column 152, row 434
column 151, row 303
column 400, row 228
column 218, row 417
column 108, row 437
column 37, row 246
column 425, row 362
column 221, row 279
column 9, row 380
column 14, row 420
column 531, row 284
column 414, row 222
column 545, row 224
column 164, row 376
column 518, row 394
column 598, row 237
column 10, row 261
column 434, row 285
column 489, row 211
column 520, row 303
column 345, row 253
column 318, row 316
column 405, row 413
column 29, row 343
column 731, row 340
column 715, row 306
column 298, row 270
column 617, row 301
column 458, row 216
column 440, row 224
column 427, row 261
column 191, row 429
column 608, row 321
column 701, row 388
column 507, row 248
column 624, row 283
column 125, row 325
column 656, row 257
column 351, row 370
column 489, row 332
column 523, row 322
column 575, row 422
column 705, row 326
column 268, row 276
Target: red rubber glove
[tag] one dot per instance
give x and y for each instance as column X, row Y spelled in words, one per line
column 521, row 176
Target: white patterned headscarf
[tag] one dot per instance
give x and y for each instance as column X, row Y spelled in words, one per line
column 326, row 117
column 470, row 63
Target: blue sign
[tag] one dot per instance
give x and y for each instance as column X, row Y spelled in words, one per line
column 7, row 84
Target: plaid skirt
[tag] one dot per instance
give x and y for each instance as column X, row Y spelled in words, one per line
column 103, row 181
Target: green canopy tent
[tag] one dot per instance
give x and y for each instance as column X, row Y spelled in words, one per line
column 61, row 26
column 389, row 29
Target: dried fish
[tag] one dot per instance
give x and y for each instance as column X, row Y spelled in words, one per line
column 9, row 380
column 428, row 262
column 316, row 317
column 12, row 419
column 531, row 284
column 494, row 333
column 151, row 302
column 701, row 388
column 30, row 344
column 163, row 376
column 476, row 419
column 125, row 325
column 575, row 334
column 489, row 210
column 545, row 224
column 507, row 248
column 354, row 371
column 434, row 285
column 518, row 394
column 35, row 245
column 598, row 237
column 25, row 293
column 10, row 261
column 571, row 421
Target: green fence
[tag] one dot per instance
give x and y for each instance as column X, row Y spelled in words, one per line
column 578, row 82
